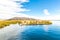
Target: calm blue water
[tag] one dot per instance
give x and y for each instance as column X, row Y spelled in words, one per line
column 31, row 32
column 41, row 32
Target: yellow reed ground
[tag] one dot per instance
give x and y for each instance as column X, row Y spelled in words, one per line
column 5, row 23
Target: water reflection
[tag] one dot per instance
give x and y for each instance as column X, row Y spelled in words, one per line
column 46, row 28
column 31, row 32
column 41, row 32
column 9, row 32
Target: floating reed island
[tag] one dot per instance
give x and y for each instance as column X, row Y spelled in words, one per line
column 24, row 21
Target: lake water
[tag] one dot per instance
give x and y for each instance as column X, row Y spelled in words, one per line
column 33, row 32
column 42, row 32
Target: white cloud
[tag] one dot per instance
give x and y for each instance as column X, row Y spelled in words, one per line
column 9, row 8
column 49, row 16
column 45, row 11
column 21, row 0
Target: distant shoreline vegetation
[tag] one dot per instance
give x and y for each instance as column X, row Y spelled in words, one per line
column 5, row 23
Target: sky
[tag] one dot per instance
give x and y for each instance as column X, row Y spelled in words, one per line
column 40, row 9
column 46, row 9
column 12, row 8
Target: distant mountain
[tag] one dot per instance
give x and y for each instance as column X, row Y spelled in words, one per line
column 21, row 18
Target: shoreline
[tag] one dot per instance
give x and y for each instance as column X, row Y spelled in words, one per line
column 24, row 22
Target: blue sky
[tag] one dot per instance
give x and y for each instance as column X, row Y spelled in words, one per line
column 43, row 9
column 37, row 7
